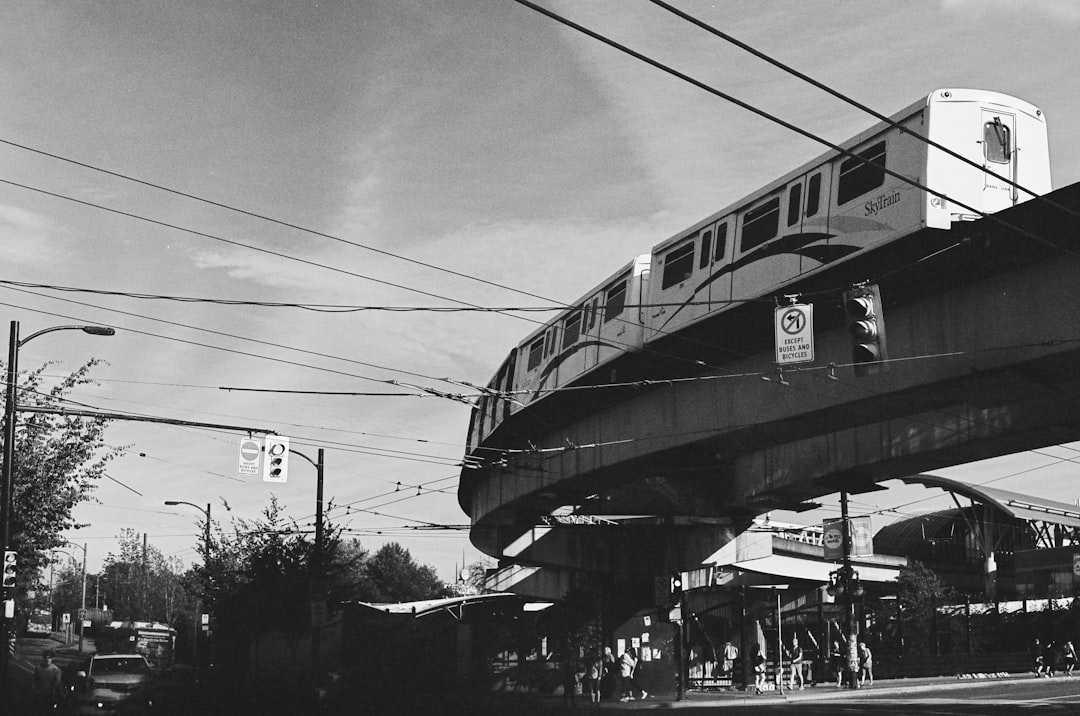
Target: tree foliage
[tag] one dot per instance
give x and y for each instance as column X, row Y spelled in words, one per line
column 265, row 574
column 919, row 592
column 141, row 583
column 392, row 575
column 58, row 461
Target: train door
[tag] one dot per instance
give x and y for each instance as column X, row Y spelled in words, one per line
column 720, row 259
column 763, row 259
column 591, row 332
column 999, row 157
column 682, row 295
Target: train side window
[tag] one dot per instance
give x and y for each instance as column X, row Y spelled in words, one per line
column 760, row 224
column 678, row 265
column 614, row 300
column 794, row 204
column 592, row 311
column 571, row 329
column 720, row 247
column 996, row 142
column 536, row 354
column 813, row 195
column 706, row 248
column 857, row 177
column 549, row 343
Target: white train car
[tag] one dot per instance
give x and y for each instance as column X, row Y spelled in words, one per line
column 837, row 206
column 825, row 212
column 604, row 324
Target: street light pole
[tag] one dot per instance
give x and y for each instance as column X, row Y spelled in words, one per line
column 318, row 589
column 206, row 568
column 11, row 406
column 206, row 536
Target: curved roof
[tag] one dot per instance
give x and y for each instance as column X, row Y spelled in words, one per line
column 1014, row 504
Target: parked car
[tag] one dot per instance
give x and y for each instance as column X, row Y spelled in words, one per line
column 111, row 684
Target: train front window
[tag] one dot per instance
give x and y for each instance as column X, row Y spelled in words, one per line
column 857, row 176
column 615, row 300
column 996, row 142
column 678, row 265
column 760, row 224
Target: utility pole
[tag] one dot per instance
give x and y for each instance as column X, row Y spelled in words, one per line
column 849, row 594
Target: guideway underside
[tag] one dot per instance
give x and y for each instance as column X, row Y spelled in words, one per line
column 983, row 341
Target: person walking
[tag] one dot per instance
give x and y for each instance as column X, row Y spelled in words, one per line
column 1037, row 658
column 866, row 665
column 628, row 665
column 47, row 685
column 839, row 661
column 609, row 681
column 594, row 672
column 728, row 655
column 1068, row 655
column 796, row 655
column 568, row 669
column 757, row 660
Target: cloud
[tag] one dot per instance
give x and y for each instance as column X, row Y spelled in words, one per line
column 27, row 237
column 1067, row 10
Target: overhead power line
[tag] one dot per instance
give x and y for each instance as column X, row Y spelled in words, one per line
column 788, row 125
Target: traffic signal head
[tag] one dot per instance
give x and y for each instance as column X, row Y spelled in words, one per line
column 276, row 459
column 10, row 563
column 862, row 313
column 676, row 583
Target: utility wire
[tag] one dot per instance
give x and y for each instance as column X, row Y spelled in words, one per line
column 858, row 105
column 787, row 125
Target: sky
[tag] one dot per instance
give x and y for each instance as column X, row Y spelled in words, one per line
column 401, row 153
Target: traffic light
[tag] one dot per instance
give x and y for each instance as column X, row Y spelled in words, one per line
column 10, row 563
column 276, row 459
column 862, row 312
column 676, row 584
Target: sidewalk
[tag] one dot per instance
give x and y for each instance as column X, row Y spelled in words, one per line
column 527, row 703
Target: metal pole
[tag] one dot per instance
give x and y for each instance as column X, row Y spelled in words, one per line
column 852, row 622
column 5, row 497
column 82, row 614
column 779, row 646
column 316, row 632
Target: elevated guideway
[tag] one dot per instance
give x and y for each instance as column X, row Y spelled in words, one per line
column 983, row 327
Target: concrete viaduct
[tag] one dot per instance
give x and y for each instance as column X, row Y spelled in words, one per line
column 983, row 331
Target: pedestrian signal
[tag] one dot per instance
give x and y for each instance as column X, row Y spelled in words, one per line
column 862, row 313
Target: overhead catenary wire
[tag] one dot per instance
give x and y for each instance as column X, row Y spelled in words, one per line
column 788, row 125
column 858, row 105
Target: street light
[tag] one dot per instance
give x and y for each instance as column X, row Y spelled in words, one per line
column 317, row 590
column 206, row 512
column 10, row 410
column 206, row 567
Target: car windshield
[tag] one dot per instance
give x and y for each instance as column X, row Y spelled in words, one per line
column 120, row 666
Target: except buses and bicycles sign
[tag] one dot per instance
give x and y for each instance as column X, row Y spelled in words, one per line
column 794, row 334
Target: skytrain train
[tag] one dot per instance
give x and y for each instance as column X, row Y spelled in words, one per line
column 887, row 183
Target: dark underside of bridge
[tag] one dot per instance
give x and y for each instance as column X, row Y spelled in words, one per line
column 983, row 328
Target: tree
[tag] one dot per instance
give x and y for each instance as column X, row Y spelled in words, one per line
column 919, row 592
column 57, row 464
column 394, row 576
column 144, row 585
